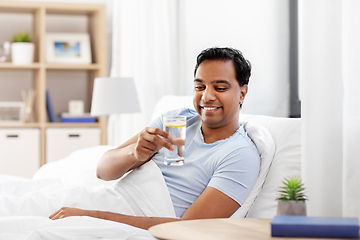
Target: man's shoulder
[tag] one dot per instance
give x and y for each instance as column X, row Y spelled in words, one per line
column 239, row 144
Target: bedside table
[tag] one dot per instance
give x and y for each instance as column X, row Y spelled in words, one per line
column 214, row 229
column 218, row 229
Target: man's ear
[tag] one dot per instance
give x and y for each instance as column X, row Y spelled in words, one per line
column 243, row 92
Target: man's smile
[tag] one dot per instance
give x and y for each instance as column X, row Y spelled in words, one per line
column 209, row 109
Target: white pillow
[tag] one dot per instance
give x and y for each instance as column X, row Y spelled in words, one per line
column 79, row 167
column 286, row 133
column 266, row 146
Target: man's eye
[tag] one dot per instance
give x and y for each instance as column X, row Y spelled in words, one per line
column 199, row 88
column 220, row 89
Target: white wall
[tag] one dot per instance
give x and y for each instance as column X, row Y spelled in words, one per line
column 259, row 28
column 351, row 74
column 329, row 59
column 320, row 62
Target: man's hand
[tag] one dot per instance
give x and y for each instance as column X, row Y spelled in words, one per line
column 141, row 222
column 150, row 141
column 210, row 204
column 133, row 153
column 67, row 212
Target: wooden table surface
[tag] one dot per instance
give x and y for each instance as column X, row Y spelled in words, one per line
column 217, row 229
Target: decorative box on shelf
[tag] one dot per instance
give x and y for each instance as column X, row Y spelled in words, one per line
column 11, row 112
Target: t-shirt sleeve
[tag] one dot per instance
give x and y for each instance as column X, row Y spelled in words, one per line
column 157, row 122
column 236, row 174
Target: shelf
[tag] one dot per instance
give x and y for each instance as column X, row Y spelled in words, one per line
column 72, row 66
column 50, row 66
column 20, row 125
column 18, row 7
column 9, row 65
column 50, row 125
column 56, row 8
column 64, row 81
column 72, row 125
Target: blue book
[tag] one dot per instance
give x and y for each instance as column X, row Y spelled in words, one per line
column 49, row 107
column 314, row 227
column 85, row 118
column 77, row 120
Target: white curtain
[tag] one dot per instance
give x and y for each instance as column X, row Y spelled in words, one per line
column 145, row 48
column 330, row 83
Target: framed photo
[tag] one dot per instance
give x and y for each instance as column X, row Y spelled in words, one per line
column 68, row 48
column 12, row 112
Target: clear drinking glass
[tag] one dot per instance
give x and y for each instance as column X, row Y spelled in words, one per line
column 176, row 127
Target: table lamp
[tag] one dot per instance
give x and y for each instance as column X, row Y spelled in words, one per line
column 114, row 95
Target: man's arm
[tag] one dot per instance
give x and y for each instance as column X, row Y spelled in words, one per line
column 212, row 203
column 133, row 153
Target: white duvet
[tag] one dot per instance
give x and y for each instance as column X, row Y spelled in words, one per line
column 71, row 182
column 26, row 205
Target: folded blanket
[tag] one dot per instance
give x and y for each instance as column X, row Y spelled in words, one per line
column 26, row 205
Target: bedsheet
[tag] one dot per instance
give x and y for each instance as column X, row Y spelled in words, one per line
column 26, row 205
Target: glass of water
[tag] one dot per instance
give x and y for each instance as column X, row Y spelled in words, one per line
column 176, row 127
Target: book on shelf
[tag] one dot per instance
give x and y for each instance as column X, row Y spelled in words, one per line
column 314, row 227
column 49, row 107
column 84, row 118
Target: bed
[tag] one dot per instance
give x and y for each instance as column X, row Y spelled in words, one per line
column 25, row 204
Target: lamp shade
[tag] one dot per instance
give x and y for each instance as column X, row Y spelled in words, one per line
column 114, row 95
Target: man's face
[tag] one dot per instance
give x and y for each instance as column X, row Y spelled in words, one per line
column 217, row 94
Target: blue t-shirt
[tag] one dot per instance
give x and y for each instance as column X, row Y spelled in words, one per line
column 230, row 165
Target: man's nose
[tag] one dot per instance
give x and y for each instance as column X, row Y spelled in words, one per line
column 208, row 95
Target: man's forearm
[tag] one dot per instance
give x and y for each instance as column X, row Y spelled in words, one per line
column 115, row 163
column 140, row 222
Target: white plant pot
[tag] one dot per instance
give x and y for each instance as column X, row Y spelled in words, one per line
column 291, row 208
column 22, row 53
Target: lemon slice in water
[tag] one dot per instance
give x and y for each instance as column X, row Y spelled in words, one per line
column 175, row 124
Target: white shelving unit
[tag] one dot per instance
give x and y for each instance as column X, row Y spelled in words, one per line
column 40, row 73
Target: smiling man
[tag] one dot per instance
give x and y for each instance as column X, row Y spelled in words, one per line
column 221, row 161
column 218, row 96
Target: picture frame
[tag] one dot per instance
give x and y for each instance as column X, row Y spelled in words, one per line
column 68, row 48
column 12, row 112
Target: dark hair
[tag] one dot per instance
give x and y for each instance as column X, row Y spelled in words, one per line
column 242, row 66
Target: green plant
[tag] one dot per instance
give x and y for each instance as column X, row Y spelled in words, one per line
column 293, row 190
column 21, row 37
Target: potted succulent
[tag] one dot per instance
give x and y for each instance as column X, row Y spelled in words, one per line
column 292, row 197
column 22, row 49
